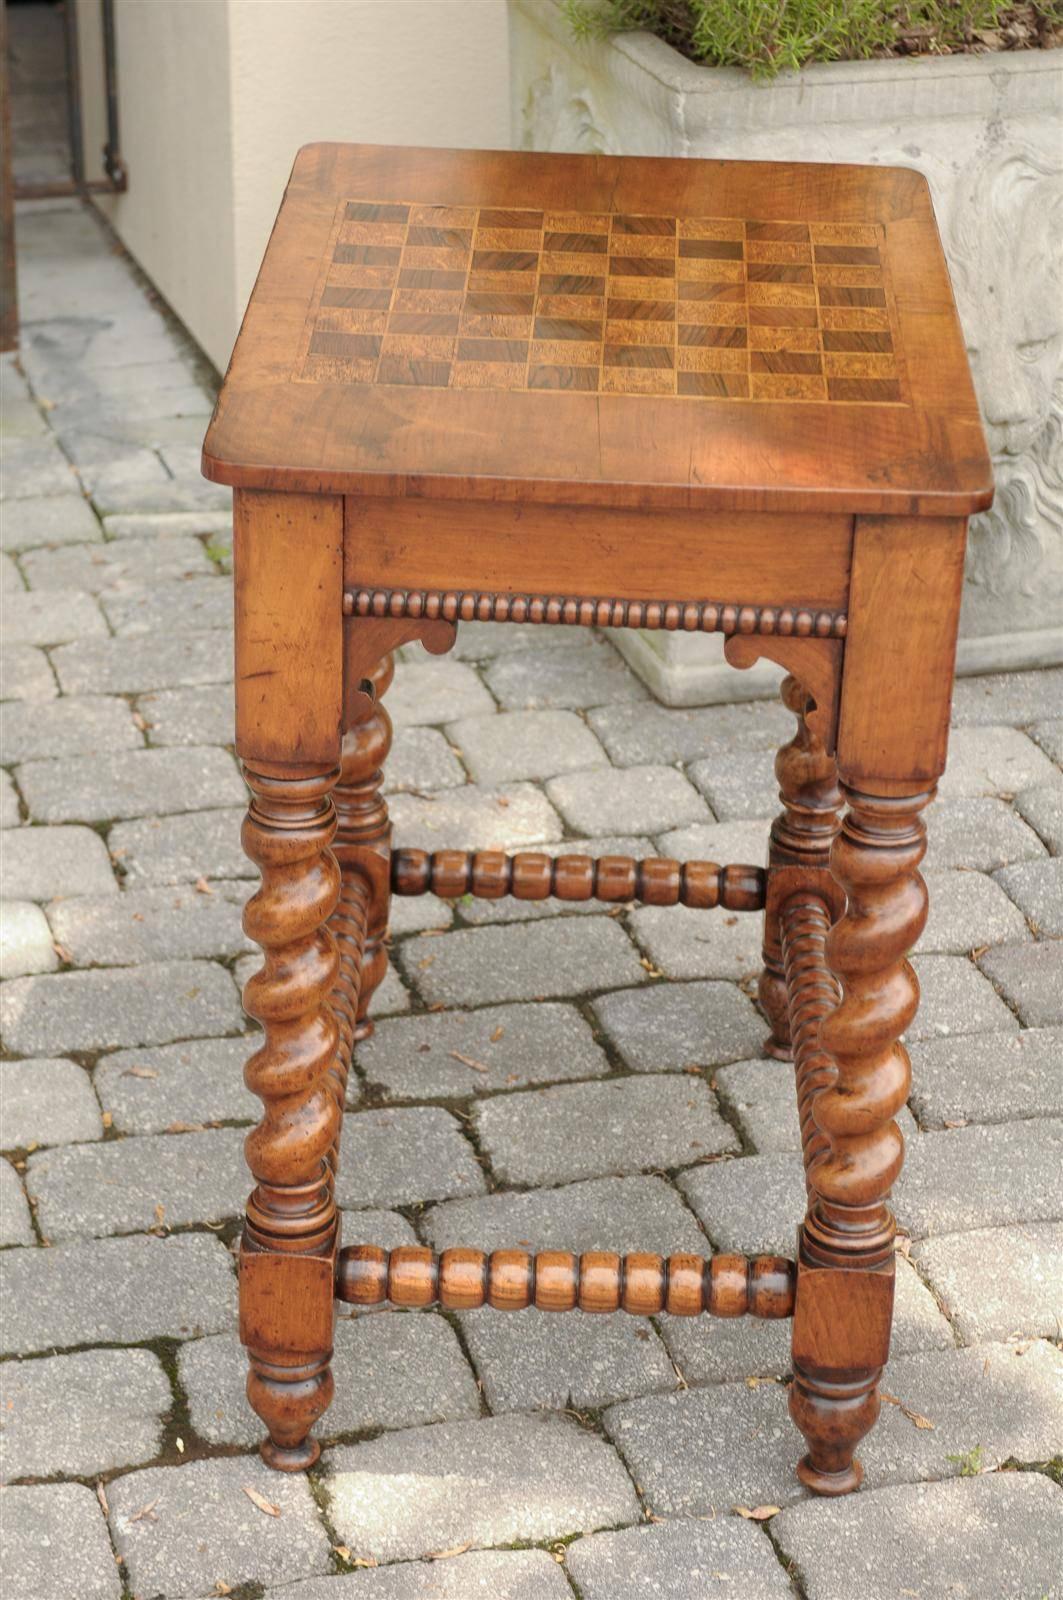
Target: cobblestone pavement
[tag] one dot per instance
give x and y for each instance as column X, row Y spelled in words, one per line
column 618, row 1097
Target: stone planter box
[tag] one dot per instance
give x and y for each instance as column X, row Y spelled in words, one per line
column 987, row 133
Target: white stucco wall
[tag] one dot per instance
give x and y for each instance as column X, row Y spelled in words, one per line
column 176, row 135
column 216, row 96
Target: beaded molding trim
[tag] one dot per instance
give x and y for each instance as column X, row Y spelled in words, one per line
column 694, row 616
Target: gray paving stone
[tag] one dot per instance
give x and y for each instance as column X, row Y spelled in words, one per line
column 388, row 1229
column 622, row 1214
column 980, row 1177
column 104, row 1009
column 10, row 576
column 1037, row 888
column 124, row 488
column 414, row 1058
column 81, row 1414
column 47, row 1102
column 418, row 914
column 999, row 1283
column 1049, row 735
column 955, row 998
column 995, row 1537
column 739, row 784
column 981, row 834
column 149, row 1091
column 587, row 1130
column 116, row 1291
column 964, row 1178
column 207, row 1531
column 391, row 998
column 134, row 563
column 497, row 1480
column 687, row 943
column 471, row 818
column 750, row 1205
column 49, row 616
column 56, row 1545
column 480, row 1575
column 178, row 923
column 133, row 665
column 524, row 961
column 47, row 520
column 435, row 691
column 161, row 524
column 40, row 863
column 701, row 1451
column 992, row 760
column 25, row 940
column 1016, row 697
column 85, row 1191
column 80, row 725
column 26, row 674
column 569, row 679
column 36, row 467
column 391, row 1371
column 1042, row 808
column 180, row 849
column 183, row 605
column 670, row 1026
column 15, row 1224
column 635, row 734
column 189, row 716
column 632, row 800
column 534, row 1360
column 679, row 1561
column 485, row 913
column 401, row 1156
column 9, row 802
column 525, row 744
column 130, row 784
column 991, row 1077
column 482, row 641
column 421, row 759
column 711, row 1350
column 741, row 841
column 968, row 910
column 1030, row 977
column 1006, row 1398
column 762, row 1097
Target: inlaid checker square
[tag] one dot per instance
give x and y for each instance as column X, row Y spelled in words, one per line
column 440, row 296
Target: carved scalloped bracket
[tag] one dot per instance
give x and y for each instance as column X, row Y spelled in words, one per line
column 368, row 639
column 815, row 663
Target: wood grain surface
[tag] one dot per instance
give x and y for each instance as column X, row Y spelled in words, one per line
column 499, row 325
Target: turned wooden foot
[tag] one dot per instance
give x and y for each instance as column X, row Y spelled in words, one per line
column 801, row 836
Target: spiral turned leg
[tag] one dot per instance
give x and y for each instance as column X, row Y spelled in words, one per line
column 288, row 1250
column 801, row 836
column 363, row 834
column 846, row 1265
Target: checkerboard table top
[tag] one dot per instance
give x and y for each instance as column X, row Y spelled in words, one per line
column 607, row 330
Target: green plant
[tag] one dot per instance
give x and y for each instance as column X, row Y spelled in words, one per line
column 769, row 36
column 969, row 1463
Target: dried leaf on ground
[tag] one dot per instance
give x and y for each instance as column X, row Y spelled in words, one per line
column 261, row 1502
column 455, row 1550
column 758, row 1513
column 146, row 1513
column 906, row 1411
column 467, row 1061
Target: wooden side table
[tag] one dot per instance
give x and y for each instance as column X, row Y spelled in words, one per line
column 719, row 396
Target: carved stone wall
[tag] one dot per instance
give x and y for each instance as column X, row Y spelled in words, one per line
column 986, row 131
